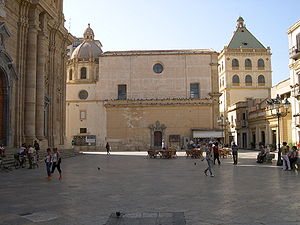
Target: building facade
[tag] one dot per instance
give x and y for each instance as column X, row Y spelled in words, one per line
column 244, row 70
column 136, row 99
column 294, row 65
column 252, row 122
column 32, row 72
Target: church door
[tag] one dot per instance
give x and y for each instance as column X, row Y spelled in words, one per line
column 3, row 111
column 157, row 139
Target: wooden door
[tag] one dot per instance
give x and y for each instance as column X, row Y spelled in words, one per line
column 157, row 139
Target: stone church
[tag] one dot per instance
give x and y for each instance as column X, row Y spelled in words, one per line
column 135, row 100
column 33, row 40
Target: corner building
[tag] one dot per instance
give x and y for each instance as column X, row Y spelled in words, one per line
column 244, row 73
column 135, row 99
column 32, row 72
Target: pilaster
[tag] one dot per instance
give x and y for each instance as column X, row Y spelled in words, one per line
column 42, row 46
column 30, row 80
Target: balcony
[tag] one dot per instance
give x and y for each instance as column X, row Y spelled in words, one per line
column 241, row 123
column 295, row 92
column 295, row 53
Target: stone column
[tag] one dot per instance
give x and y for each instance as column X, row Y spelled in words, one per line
column 30, row 79
column 42, row 48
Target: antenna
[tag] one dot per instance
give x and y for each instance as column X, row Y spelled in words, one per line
column 70, row 25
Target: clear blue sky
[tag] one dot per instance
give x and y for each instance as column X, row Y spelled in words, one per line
column 185, row 24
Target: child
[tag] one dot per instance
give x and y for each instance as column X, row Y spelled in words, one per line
column 48, row 161
column 209, row 160
column 56, row 160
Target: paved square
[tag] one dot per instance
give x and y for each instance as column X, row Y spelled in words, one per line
column 132, row 184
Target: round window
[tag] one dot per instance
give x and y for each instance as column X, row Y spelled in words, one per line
column 158, row 68
column 83, row 94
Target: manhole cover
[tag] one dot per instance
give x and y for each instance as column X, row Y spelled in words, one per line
column 39, row 216
column 149, row 218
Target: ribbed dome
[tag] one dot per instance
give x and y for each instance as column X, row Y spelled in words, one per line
column 89, row 48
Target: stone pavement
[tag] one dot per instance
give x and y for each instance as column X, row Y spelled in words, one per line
column 131, row 183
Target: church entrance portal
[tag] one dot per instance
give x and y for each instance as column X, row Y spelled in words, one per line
column 3, row 107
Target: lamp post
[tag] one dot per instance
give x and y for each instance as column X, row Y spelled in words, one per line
column 223, row 122
column 278, row 110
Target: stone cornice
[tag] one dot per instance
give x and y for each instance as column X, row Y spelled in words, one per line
column 151, row 102
column 293, row 27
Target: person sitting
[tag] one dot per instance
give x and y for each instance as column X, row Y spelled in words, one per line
column 293, row 157
column 262, row 155
column 2, row 151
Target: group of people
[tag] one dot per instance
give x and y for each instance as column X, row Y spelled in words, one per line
column 289, row 156
column 32, row 153
column 53, row 161
column 212, row 154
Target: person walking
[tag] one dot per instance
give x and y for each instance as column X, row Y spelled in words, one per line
column 30, row 155
column 293, row 157
column 208, row 158
column 48, row 161
column 56, row 161
column 36, row 146
column 107, row 148
column 216, row 153
column 234, row 149
column 284, row 155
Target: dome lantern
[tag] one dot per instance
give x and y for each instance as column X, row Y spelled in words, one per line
column 89, row 48
column 89, row 33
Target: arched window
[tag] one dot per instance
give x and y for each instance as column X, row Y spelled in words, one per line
column 83, row 73
column 248, row 80
column 261, row 80
column 261, row 64
column 235, row 80
column 71, row 75
column 235, row 64
column 248, row 64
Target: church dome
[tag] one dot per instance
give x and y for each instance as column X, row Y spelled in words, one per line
column 89, row 48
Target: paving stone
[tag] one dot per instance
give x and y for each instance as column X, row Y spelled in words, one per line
column 248, row 193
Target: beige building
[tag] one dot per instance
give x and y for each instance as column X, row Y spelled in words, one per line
column 253, row 123
column 32, row 72
column 244, row 71
column 135, row 99
column 294, row 65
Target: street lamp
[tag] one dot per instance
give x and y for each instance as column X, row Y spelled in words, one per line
column 278, row 110
column 223, row 122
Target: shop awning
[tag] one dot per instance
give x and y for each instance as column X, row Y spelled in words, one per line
column 207, row 134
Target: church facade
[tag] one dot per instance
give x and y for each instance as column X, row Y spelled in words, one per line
column 32, row 72
column 135, row 100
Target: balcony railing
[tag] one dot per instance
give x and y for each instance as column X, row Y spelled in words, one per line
column 294, row 53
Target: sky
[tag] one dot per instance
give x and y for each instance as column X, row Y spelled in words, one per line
column 185, row 24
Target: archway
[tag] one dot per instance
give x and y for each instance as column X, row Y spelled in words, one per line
column 3, row 108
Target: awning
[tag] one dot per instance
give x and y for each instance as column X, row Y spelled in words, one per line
column 207, row 134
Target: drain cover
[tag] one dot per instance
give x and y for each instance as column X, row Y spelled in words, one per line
column 149, row 218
